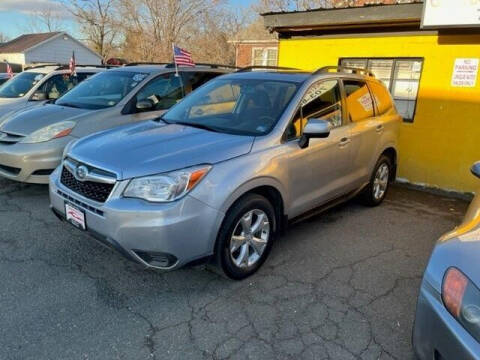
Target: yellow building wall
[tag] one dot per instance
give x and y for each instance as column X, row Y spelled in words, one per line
column 442, row 143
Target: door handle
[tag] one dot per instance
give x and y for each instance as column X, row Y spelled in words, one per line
column 379, row 128
column 344, row 142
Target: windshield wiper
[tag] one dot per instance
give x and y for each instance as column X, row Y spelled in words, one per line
column 198, row 126
column 69, row 105
column 160, row 118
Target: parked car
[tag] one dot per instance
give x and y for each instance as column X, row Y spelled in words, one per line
column 39, row 84
column 223, row 171
column 4, row 77
column 447, row 321
column 32, row 141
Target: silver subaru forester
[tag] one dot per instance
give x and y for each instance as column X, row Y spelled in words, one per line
column 220, row 174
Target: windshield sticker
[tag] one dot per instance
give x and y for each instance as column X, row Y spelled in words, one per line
column 38, row 77
column 138, row 77
column 111, row 103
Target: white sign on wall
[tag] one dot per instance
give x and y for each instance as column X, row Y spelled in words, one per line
column 465, row 72
column 451, row 13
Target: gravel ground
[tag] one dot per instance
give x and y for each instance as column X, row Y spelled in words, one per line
column 341, row 285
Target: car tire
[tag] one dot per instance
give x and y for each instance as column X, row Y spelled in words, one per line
column 243, row 245
column 377, row 188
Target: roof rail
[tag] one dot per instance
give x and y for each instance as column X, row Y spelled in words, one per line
column 252, row 68
column 66, row 67
column 38, row 66
column 213, row 66
column 344, row 69
column 172, row 65
column 146, row 63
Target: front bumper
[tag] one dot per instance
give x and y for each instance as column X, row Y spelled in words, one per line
column 436, row 334
column 182, row 231
column 31, row 163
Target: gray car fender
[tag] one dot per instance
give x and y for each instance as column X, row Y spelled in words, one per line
column 251, row 185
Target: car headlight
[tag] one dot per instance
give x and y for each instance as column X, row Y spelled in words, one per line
column 462, row 299
column 50, row 132
column 166, row 187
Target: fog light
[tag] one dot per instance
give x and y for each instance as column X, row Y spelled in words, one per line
column 157, row 259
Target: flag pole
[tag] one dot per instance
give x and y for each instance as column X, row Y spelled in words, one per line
column 174, row 60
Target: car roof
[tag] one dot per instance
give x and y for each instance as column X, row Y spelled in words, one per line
column 164, row 68
column 292, row 76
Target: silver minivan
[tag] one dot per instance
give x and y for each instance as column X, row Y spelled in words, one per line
column 221, row 173
column 39, row 84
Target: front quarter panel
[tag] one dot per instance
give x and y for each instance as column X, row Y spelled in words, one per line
column 229, row 180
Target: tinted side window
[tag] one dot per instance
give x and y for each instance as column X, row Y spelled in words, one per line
column 58, row 85
column 359, row 100
column 382, row 98
column 164, row 91
column 321, row 101
column 195, row 79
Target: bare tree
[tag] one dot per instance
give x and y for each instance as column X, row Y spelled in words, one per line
column 154, row 25
column 97, row 22
column 49, row 17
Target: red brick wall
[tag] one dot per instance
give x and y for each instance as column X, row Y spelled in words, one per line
column 244, row 52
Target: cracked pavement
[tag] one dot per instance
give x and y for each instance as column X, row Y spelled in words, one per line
column 340, row 285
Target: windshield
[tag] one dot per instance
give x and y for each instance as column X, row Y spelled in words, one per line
column 20, row 84
column 103, row 90
column 236, row 106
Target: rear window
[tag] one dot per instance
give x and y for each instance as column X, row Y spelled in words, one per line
column 383, row 100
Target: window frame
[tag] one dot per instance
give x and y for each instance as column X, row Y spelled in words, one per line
column 392, row 76
column 372, row 96
column 264, row 49
column 44, row 84
column 345, row 120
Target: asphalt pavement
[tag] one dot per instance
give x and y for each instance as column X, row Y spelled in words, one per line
column 340, row 285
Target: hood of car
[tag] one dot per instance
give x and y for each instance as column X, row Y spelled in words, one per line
column 152, row 147
column 30, row 120
column 8, row 105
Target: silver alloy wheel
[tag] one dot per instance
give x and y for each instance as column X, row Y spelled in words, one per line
column 380, row 182
column 250, row 238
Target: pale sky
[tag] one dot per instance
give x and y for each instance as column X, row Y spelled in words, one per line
column 14, row 14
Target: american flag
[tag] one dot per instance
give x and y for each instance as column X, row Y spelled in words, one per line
column 182, row 57
column 73, row 65
column 9, row 71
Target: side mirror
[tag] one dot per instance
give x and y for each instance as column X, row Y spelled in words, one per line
column 144, row 105
column 315, row 128
column 39, row 96
column 476, row 169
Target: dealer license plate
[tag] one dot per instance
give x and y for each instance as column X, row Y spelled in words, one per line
column 75, row 216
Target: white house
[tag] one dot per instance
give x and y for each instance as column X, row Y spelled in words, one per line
column 53, row 47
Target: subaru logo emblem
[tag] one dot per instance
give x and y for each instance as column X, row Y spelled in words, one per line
column 81, row 173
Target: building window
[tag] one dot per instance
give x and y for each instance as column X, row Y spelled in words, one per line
column 401, row 76
column 264, row 56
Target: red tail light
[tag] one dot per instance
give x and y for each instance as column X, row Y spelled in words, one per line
column 454, row 286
